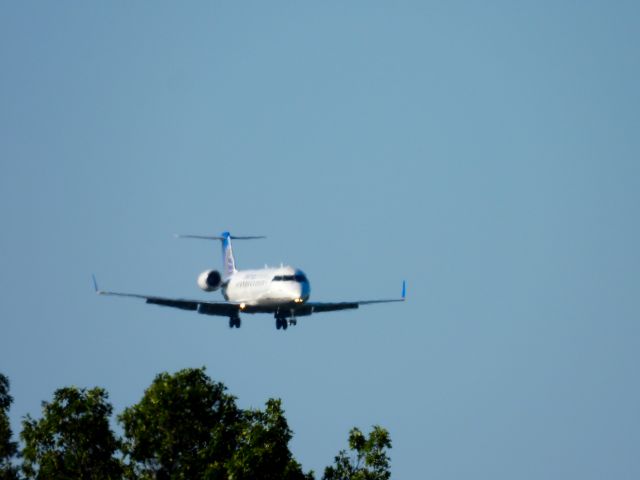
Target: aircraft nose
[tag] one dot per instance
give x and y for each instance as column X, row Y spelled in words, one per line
column 296, row 290
column 305, row 290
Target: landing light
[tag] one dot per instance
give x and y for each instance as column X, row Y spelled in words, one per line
column 242, row 305
column 298, row 300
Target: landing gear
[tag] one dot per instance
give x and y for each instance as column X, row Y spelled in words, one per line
column 234, row 322
column 283, row 322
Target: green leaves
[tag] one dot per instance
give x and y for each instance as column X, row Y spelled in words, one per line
column 368, row 459
column 185, row 426
column 72, row 439
column 262, row 450
column 8, row 449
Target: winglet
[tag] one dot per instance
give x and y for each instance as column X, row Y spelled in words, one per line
column 95, row 284
column 404, row 290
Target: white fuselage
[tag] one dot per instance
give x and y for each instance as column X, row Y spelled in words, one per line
column 269, row 286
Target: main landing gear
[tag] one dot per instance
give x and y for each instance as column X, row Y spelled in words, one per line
column 234, row 322
column 283, row 322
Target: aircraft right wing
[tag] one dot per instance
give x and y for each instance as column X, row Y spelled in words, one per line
column 223, row 309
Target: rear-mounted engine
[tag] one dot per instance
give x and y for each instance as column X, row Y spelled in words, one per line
column 210, row 280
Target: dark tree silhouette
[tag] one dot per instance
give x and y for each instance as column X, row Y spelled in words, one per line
column 368, row 459
column 72, row 439
column 263, row 447
column 185, row 426
column 8, row 449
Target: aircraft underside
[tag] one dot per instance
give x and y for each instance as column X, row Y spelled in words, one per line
column 284, row 315
column 281, row 322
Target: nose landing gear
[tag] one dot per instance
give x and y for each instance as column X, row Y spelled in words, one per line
column 234, row 322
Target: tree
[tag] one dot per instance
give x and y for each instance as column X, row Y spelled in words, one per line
column 184, row 427
column 368, row 460
column 263, row 447
column 8, row 449
column 72, row 439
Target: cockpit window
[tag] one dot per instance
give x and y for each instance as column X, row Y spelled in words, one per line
column 290, row 278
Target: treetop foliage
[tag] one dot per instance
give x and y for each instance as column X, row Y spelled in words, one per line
column 8, row 449
column 185, row 426
column 72, row 439
column 368, row 459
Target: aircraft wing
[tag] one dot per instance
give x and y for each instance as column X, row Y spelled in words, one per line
column 226, row 309
column 223, row 309
column 317, row 307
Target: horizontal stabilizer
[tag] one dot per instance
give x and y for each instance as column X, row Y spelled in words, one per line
column 210, row 237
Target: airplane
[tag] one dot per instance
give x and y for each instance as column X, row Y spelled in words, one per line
column 283, row 292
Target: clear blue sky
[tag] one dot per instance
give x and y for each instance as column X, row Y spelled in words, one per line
column 486, row 152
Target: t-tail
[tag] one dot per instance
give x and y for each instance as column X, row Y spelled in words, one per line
column 228, row 260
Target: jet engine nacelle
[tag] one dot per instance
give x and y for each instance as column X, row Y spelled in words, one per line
column 210, row 280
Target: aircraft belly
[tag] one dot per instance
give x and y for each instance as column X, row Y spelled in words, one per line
column 258, row 298
column 246, row 295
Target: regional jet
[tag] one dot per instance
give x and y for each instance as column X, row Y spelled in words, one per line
column 283, row 292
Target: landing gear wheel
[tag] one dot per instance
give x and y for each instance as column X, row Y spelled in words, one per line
column 234, row 322
column 285, row 324
column 278, row 323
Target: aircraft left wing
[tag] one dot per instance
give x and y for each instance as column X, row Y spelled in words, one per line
column 308, row 308
column 317, row 307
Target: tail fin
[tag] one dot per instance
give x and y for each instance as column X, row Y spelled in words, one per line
column 228, row 260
